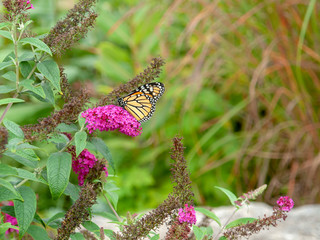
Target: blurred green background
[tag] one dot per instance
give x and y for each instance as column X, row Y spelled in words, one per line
column 242, row 88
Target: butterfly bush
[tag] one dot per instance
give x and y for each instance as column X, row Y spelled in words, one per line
column 110, row 118
column 187, row 214
column 82, row 165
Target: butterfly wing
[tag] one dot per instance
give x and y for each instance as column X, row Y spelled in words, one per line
column 140, row 103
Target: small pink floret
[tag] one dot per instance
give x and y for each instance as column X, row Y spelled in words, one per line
column 187, row 214
column 285, row 203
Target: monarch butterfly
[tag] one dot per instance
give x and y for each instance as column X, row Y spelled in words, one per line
column 141, row 103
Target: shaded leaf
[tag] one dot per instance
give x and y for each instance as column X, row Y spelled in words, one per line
column 25, row 210
column 37, row 43
column 14, row 128
column 58, row 170
column 51, row 71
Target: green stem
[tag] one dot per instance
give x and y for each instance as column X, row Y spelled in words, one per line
column 110, row 205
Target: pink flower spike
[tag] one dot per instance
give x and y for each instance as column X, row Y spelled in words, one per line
column 187, row 214
column 110, row 118
column 285, row 203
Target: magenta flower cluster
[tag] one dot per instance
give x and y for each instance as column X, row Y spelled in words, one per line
column 82, row 165
column 285, row 203
column 187, row 214
column 110, row 118
column 11, row 220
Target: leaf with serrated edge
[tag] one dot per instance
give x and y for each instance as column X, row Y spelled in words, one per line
column 25, row 210
column 14, row 128
column 37, row 43
column 51, row 71
column 58, row 170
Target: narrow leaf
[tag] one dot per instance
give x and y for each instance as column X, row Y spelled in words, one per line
column 5, row 226
column 28, row 84
column 48, row 92
column 51, row 71
column 91, row 226
column 103, row 149
column 230, row 195
column 72, row 191
column 25, row 68
column 37, row 43
column 4, row 65
column 208, row 214
column 11, row 76
column 6, row 34
column 58, row 170
column 14, row 128
column 240, row 221
column 22, row 160
column 77, row 236
column 10, row 100
column 6, row 170
column 38, row 232
column 63, row 127
column 5, row 24
column 6, row 195
column 9, row 186
column 80, row 141
column 6, row 89
column 25, row 210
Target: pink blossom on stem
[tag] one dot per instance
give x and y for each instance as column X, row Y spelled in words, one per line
column 83, row 163
column 110, row 118
column 187, row 214
column 285, row 203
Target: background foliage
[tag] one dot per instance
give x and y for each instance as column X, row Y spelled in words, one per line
column 242, row 84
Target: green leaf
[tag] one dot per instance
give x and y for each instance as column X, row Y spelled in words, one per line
column 199, row 234
column 51, row 71
column 58, row 138
column 28, row 84
column 22, row 173
column 6, row 34
column 4, row 65
column 5, row 24
column 28, row 154
column 230, row 195
column 11, row 76
column 10, row 100
column 25, row 68
column 155, row 237
column 109, row 233
column 38, row 44
column 6, row 89
column 6, row 195
column 208, row 214
column 103, row 149
column 223, row 238
column 77, row 236
column 25, row 210
column 5, row 226
column 58, row 169
column 72, row 191
column 26, row 146
column 81, row 120
column 6, row 170
column 14, row 128
column 91, row 226
column 48, row 91
column 240, row 221
column 38, row 233
column 9, row 186
column 25, row 57
column 62, row 127
column 55, row 217
column 80, row 141
column 22, row 160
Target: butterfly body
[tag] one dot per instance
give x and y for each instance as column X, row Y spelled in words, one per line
column 141, row 102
